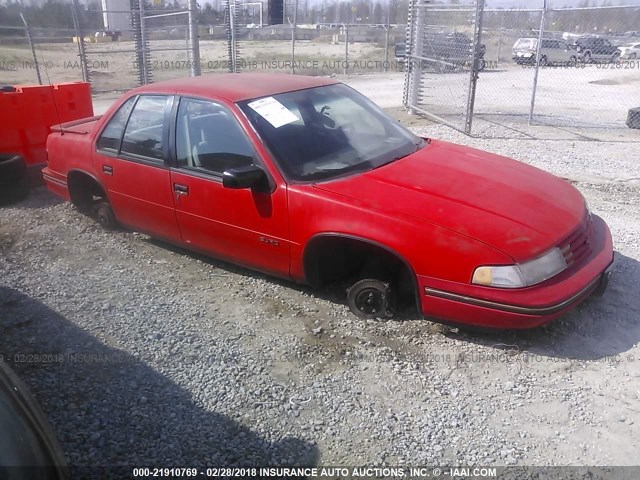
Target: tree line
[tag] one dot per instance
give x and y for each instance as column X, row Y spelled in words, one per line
column 56, row 14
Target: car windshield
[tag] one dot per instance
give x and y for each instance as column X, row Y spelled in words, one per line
column 526, row 43
column 325, row 132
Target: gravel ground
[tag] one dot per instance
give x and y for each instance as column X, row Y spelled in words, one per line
column 151, row 355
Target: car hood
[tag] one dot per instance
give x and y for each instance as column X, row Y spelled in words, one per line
column 513, row 207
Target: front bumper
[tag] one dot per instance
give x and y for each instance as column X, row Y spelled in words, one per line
column 525, row 307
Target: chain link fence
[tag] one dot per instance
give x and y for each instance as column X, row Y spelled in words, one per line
column 576, row 69
column 294, row 46
column 133, row 43
column 441, row 72
column 141, row 43
column 33, row 55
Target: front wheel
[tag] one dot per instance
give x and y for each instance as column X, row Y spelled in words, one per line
column 370, row 298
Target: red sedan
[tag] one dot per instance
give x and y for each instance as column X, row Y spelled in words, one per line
column 306, row 179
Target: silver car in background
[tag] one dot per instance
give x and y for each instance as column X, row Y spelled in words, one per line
column 552, row 51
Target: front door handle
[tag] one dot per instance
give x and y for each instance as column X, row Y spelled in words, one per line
column 181, row 189
column 107, row 169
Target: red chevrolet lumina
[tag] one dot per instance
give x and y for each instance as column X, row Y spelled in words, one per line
column 306, row 179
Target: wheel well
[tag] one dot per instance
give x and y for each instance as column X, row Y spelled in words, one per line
column 332, row 258
column 83, row 188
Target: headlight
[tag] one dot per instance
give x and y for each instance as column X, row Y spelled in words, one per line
column 523, row 274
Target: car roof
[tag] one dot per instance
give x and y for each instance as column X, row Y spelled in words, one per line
column 236, row 87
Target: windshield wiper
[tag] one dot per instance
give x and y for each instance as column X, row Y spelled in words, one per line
column 325, row 173
column 400, row 157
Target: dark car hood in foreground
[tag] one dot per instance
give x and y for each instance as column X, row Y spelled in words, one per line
column 28, row 447
column 513, row 207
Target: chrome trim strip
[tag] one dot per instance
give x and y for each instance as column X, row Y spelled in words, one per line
column 49, row 178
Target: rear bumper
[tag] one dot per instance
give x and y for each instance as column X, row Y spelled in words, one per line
column 55, row 182
column 526, row 307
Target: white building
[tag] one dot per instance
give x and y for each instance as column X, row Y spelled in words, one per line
column 116, row 15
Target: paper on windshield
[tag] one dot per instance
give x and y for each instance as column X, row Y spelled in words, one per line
column 273, row 111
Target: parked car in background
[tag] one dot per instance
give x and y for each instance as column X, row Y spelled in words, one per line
column 400, row 51
column 596, row 49
column 552, row 51
column 630, row 51
column 451, row 50
column 306, row 179
column 445, row 52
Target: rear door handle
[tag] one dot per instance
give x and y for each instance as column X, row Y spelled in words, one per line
column 107, row 169
column 181, row 189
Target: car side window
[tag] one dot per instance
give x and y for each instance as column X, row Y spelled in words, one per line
column 143, row 135
column 112, row 134
column 209, row 138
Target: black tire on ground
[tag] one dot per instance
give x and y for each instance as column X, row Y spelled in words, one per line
column 105, row 215
column 13, row 178
column 371, row 298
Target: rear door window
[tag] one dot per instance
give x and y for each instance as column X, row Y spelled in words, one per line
column 112, row 134
column 144, row 133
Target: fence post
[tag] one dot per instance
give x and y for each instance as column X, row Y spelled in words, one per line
column 145, row 45
column 346, row 49
column 535, row 73
column 415, row 62
column 194, row 40
column 33, row 51
column 294, row 26
column 475, row 66
column 386, row 39
column 79, row 35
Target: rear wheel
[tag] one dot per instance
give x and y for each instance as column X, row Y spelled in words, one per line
column 105, row 216
column 371, row 298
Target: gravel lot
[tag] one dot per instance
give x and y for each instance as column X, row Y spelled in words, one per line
column 197, row 362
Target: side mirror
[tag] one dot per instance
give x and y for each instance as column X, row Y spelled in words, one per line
column 250, row 176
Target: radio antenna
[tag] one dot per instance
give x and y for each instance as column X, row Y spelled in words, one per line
column 46, row 69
